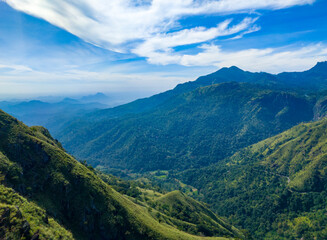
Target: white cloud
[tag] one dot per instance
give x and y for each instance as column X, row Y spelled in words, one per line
column 12, row 68
column 250, row 30
column 153, row 47
column 273, row 60
column 110, row 24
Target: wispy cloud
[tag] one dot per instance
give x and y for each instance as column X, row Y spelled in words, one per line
column 162, row 44
column 13, row 69
column 110, row 24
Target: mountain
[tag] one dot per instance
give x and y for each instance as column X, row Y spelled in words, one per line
column 205, row 120
column 178, row 205
column 174, row 208
column 96, row 98
column 308, row 81
column 190, row 130
column 277, row 188
column 51, row 115
column 41, row 186
column 232, row 74
column 313, row 79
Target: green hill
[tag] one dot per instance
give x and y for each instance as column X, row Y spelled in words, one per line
column 178, row 205
column 190, row 130
column 36, row 167
column 174, row 208
column 277, row 188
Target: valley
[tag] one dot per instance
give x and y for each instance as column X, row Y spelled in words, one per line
column 233, row 154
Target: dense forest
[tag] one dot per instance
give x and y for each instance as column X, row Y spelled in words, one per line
column 277, row 189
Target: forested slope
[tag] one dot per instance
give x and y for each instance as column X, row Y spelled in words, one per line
column 191, row 130
column 277, row 188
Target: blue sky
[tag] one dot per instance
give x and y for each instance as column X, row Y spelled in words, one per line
column 65, row 47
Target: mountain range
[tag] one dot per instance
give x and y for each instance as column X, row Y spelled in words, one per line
column 233, row 154
column 197, row 123
column 53, row 114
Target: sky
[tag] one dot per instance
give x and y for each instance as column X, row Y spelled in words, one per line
column 142, row 47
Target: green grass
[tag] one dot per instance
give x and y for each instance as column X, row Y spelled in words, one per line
column 178, row 205
column 21, row 219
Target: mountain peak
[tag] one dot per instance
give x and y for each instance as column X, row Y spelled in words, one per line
column 99, row 94
column 320, row 67
column 69, row 100
column 98, row 97
column 230, row 69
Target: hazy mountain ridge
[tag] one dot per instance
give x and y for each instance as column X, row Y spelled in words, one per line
column 50, row 115
column 280, row 81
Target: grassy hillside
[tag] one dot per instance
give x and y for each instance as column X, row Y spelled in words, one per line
column 191, row 130
column 277, row 188
column 35, row 165
column 21, row 219
column 174, row 208
column 178, row 205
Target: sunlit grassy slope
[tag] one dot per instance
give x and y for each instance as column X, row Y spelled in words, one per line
column 21, row 219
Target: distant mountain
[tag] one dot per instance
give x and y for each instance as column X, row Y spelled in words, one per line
column 190, row 130
column 277, row 188
column 232, row 74
column 310, row 80
column 96, row 98
column 69, row 101
column 42, row 185
column 51, row 115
